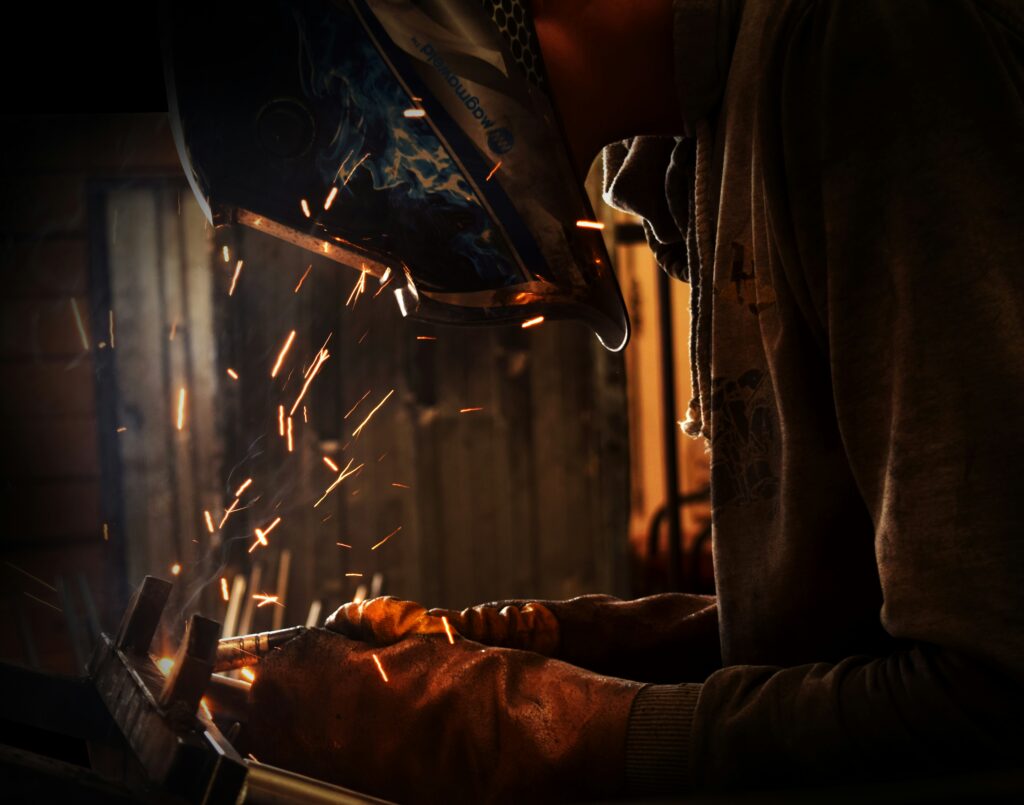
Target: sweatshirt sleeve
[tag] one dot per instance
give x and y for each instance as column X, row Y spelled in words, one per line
column 894, row 139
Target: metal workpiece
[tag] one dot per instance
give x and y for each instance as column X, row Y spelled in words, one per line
column 238, row 652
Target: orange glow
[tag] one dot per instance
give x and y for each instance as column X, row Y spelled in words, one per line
column 590, row 224
column 380, row 667
column 282, row 353
column 303, row 278
column 532, row 322
column 224, row 589
column 165, row 664
column 291, row 441
column 342, row 544
column 175, row 569
column 209, row 521
column 205, row 708
column 247, row 674
column 280, row 420
column 354, row 407
column 245, row 485
column 272, row 526
column 227, row 513
column 305, row 207
column 330, row 198
column 354, row 575
column 232, row 373
column 389, row 536
column 469, row 410
column 265, row 598
column 181, row 408
column 363, row 423
column 357, row 289
column 426, row 338
column 321, row 358
column 234, row 279
column 400, row 486
column 331, row 464
column 447, row 629
column 345, row 473
column 494, row 170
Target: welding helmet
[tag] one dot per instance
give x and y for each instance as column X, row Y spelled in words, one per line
column 413, row 140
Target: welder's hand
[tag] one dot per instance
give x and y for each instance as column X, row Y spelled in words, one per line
column 450, row 723
column 671, row 637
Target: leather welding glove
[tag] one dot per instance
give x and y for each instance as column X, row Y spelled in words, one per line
column 452, row 722
column 671, row 637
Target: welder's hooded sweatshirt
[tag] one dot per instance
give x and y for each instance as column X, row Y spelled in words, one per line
column 849, row 211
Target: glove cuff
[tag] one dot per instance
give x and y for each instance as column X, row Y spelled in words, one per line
column 658, row 739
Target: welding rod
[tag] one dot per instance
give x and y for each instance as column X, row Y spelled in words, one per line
column 237, row 652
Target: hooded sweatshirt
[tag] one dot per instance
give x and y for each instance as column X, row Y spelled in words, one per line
column 848, row 206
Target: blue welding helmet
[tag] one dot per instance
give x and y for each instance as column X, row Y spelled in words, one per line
column 416, row 140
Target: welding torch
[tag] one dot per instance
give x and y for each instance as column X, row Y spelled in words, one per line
column 249, row 649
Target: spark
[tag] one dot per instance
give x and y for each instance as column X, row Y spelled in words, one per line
column 122, row 429
column 106, row 532
column 354, row 575
column 226, row 253
column 165, row 664
column 248, row 675
column 426, row 338
column 532, row 322
column 234, row 279
column 232, row 373
column 414, row 113
column 447, row 629
column 305, row 207
column 380, row 667
column 342, row 544
column 174, row 330
column 357, row 289
column 354, row 407
column 305, row 415
column 330, row 197
column 363, row 337
column 282, row 353
column 320, row 359
column 205, row 708
column 181, row 408
column 400, row 486
column 175, row 569
column 224, row 589
column 271, row 527
column 341, row 167
column 331, row 464
column 41, row 601
column 400, row 298
column 280, row 420
column 385, row 277
column 110, row 327
column 265, row 599
column 303, row 278
column 384, row 284
column 360, row 162
column 389, row 536
column 209, row 520
column 583, row 224
column 34, row 578
column 363, row 423
column 291, row 442
column 245, row 485
column 345, row 473
column 227, row 513
column 78, row 323
column 494, row 170
column 469, row 410
column 261, row 539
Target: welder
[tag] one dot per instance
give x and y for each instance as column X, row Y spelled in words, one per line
column 840, row 183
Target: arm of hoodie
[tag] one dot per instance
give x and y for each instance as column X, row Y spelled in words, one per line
column 895, row 132
column 900, row 141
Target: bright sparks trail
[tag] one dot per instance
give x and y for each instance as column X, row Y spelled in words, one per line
column 354, row 407
column 354, row 575
column 175, row 569
column 330, row 197
column 303, row 278
column 414, row 113
column 245, row 485
column 227, row 254
column 78, row 323
column 265, row 599
column 232, row 373
column 234, row 279
column 389, row 536
column 360, row 162
column 291, row 441
column 331, row 464
column 224, row 588
column 181, row 408
column 532, row 322
column 320, row 359
column 345, row 473
column 357, row 289
column 305, row 207
column 339, row 544
column 248, row 675
column 380, row 667
column 400, row 486
column 110, row 326
column 469, row 410
column 589, row 224
column 280, row 420
column 368, row 416
column 447, row 629
column 282, row 353
column 426, row 338
column 209, row 521
column 494, row 170
column 227, row 513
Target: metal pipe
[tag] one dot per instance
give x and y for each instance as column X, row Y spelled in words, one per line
column 237, row 652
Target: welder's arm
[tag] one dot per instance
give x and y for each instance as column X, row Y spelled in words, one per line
column 426, row 720
column 900, row 227
column 671, row 637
